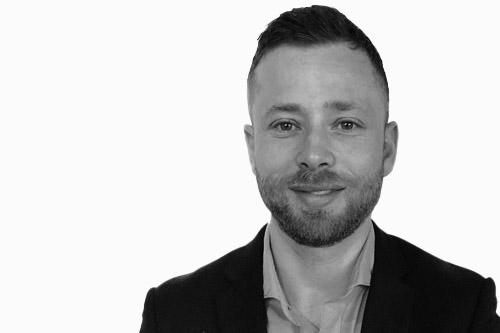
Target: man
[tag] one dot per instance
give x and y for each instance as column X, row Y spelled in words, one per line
column 320, row 144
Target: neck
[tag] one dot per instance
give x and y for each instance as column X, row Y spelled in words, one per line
column 315, row 275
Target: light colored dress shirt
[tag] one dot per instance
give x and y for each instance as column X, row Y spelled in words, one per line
column 344, row 315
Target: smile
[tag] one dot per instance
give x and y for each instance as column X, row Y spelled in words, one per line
column 316, row 198
column 320, row 192
column 315, row 189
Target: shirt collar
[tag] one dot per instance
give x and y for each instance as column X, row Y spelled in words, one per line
column 272, row 287
column 361, row 274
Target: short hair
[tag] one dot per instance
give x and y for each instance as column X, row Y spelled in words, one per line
column 315, row 26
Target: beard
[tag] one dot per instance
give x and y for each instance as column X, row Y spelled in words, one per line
column 315, row 227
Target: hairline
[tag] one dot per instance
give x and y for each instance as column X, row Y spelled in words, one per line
column 378, row 77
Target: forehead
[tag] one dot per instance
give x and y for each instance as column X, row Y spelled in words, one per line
column 313, row 76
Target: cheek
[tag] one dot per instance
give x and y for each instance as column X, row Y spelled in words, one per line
column 272, row 157
column 364, row 164
column 361, row 158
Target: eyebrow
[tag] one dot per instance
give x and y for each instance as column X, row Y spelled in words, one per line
column 339, row 105
column 334, row 105
column 285, row 107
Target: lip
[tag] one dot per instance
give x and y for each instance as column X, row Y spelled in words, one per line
column 317, row 197
column 315, row 188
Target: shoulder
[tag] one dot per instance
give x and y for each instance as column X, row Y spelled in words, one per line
column 440, row 287
column 213, row 277
column 397, row 256
column 185, row 302
column 442, row 296
column 449, row 292
column 191, row 299
column 205, row 280
column 430, row 269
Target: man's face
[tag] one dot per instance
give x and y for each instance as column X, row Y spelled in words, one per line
column 319, row 145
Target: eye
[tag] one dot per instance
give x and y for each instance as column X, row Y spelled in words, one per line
column 347, row 125
column 284, row 126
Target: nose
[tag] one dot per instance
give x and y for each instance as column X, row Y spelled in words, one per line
column 316, row 152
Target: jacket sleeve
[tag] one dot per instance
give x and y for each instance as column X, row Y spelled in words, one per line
column 485, row 319
column 149, row 314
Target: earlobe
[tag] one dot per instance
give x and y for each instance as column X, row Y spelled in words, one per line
column 390, row 147
column 249, row 138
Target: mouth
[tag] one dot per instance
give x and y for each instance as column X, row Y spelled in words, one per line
column 316, row 196
column 316, row 190
column 322, row 192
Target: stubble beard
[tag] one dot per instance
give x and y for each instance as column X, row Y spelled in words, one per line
column 320, row 227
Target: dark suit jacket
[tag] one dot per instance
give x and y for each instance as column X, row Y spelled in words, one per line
column 411, row 291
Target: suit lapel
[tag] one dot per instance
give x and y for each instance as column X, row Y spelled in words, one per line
column 241, row 307
column 390, row 300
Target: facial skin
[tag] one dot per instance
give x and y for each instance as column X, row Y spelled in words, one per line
column 319, row 145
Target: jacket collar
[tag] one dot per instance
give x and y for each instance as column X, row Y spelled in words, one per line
column 241, row 307
column 390, row 301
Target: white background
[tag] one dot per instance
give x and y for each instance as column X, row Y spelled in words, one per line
column 122, row 154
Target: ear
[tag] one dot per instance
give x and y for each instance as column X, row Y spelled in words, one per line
column 250, row 139
column 390, row 146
